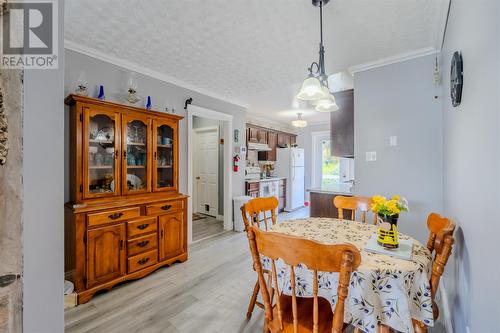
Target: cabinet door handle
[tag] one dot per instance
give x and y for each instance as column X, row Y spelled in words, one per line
column 117, row 154
column 143, row 243
column 166, row 207
column 115, row 216
column 121, row 244
column 142, row 226
column 143, row 261
column 161, row 234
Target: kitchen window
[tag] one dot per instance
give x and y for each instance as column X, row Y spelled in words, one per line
column 325, row 168
column 330, row 166
column 329, row 171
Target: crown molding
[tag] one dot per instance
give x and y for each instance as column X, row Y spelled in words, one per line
column 70, row 45
column 271, row 124
column 392, row 60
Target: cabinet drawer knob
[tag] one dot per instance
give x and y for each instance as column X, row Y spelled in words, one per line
column 166, row 207
column 142, row 226
column 115, row 216
column 143, row 243
column 143, row 261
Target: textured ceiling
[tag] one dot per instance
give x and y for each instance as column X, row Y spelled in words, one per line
column 241, row 49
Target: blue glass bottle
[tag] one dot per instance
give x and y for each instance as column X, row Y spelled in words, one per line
column 101, row 93
column 148, row 104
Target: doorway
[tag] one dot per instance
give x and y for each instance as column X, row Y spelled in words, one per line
column 208, row 157
column 209, row 173
column 206, row 170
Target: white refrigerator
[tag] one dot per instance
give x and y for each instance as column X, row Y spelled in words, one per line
column 290, row 165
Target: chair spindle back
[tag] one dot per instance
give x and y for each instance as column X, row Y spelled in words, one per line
column 342, row 258
column 440, row 244
column 260, row 211
column 352, row 204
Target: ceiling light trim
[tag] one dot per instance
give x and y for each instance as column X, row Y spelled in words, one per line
column 392, row 60
column 128, row 65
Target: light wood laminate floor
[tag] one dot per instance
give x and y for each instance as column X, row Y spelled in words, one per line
column 207, row 293
column 207, row 227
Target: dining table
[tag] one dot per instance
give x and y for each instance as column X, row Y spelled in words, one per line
column 383, row 289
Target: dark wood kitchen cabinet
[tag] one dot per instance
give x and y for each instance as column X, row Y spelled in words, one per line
column 253, row 134
column 273, row 138
column 283, row 140
column 272, row 142
column 321, row 205
column 342, row 125
column 262, row 136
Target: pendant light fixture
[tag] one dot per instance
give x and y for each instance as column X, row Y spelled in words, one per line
column 299, row 122
column 315, row 87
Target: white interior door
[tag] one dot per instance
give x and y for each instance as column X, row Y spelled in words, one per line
column 206, row 170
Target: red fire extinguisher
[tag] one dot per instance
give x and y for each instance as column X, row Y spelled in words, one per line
column 236, row 158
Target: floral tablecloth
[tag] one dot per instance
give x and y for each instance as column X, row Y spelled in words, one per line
column 383, row 289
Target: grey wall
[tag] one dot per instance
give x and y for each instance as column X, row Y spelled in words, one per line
column 199, row 122
column 163, row 94
column 43, row 220
column 471, row 166
column 304, row 140
column 398, row 99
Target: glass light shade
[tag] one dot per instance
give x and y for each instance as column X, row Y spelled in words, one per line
column 311, row 90
column 299, row 123
column 327, row 94
column 327, row 105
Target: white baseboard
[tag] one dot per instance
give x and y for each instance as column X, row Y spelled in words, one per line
column 446, row 308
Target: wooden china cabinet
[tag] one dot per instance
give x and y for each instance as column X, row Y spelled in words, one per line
column 126, row 217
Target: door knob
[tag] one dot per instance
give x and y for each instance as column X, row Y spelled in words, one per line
column 197, row 178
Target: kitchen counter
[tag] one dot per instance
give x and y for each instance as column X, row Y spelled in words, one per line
column 322, row 200
column 341, row 189
column 269, row 179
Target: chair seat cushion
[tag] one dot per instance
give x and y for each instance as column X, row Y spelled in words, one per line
column 304, row 314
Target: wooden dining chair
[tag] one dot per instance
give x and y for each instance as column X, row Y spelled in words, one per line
column 440, row 244
column 259, row 212
column 363, row 204
column 292, row 313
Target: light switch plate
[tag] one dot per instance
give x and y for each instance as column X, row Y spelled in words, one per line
column 371, row 156
column 393, row 141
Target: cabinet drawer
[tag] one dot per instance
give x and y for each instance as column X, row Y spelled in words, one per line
column 164, row 207
column 110, row 216
column 142, row 226
column 142, row 244
column 142, row 260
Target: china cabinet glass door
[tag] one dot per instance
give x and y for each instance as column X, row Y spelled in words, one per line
column 101, row 153
column 164, row 156
column 136, row 177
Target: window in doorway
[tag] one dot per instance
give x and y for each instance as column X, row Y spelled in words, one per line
column 330, row 166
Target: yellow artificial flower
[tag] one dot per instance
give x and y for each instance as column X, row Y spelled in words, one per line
column 396, row 197
column 378, row 199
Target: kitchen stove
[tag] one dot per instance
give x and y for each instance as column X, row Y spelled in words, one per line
column 252, row 173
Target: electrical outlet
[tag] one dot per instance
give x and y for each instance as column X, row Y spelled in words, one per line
column 393, row 141
column 371, row 156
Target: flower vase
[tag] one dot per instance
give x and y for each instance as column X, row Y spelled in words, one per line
column 101, row 93
column 387, row 231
